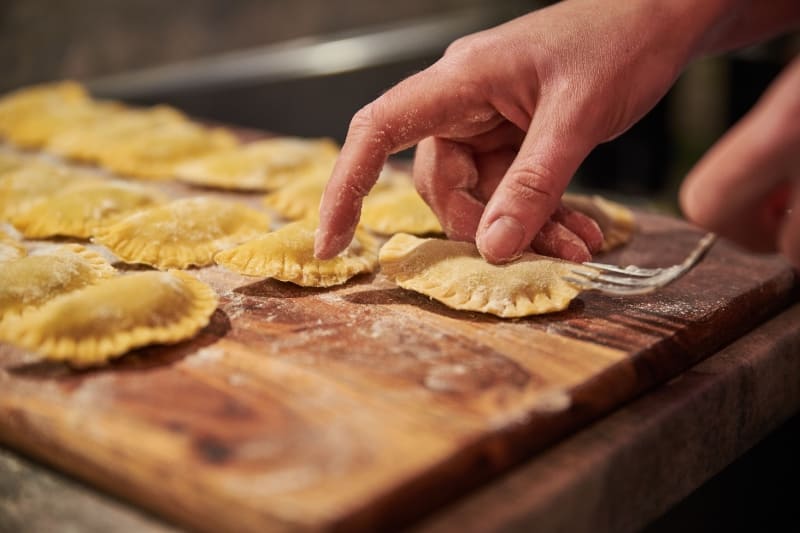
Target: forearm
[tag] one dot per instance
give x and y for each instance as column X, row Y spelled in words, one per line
column 750, row 22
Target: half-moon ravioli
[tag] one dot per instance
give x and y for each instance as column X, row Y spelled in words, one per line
column 398, row 209
column 10, row 248
column 90, row 326
column 155, row 154
column 36, row 102
column 26, row 185
column 298, row 199
column 261, row 165
column 10, row 161
column 455, row 274
column 82, row 209
column 182, row 233
column 32, row 280
column 288, row 255
column 116, row 127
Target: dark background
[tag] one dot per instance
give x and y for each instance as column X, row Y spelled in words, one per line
column 90, row 40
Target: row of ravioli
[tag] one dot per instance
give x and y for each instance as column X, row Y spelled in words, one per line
column 51, row 306
column 139, row 223
column 57, row 300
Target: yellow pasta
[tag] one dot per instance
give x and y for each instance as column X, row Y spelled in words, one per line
column 261, row 165
column 455, row 274
column 81, row 209
column 37, row 102
column 32, row 280
column 91, row 326
column 182, row 233
column 156, row 154
column 10, row 248
column 288, row 255
column 30, row 183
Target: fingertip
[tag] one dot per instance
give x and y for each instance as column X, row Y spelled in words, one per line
column 327, row 245
column 555, row 240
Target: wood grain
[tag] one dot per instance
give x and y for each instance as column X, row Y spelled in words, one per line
column 367, row 406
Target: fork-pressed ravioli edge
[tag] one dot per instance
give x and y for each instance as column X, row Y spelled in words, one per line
column 287, row 254
column 182, row 233
column 105, row 320
column 30, row 281
column 456, row 275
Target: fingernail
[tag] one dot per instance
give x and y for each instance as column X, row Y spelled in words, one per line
column 503, row 241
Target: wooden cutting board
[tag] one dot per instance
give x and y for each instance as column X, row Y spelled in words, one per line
column 366, row 406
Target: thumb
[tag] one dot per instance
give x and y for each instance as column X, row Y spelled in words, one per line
column 530, row 191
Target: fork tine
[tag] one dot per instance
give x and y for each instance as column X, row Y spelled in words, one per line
column 609, row 288
column 631, row 280
column 628, row 270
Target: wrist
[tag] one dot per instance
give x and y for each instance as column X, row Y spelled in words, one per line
column 692, row 27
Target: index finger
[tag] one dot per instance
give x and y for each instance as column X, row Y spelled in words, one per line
column 421, row 106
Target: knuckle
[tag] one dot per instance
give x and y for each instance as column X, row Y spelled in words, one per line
column 462, row 45
column 533, row 184
column 368, row 124
column 364, row 119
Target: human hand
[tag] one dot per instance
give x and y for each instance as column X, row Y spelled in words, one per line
column 507, row 115
column 747, row 187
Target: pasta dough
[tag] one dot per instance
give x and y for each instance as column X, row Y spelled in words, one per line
column 115, row 128
column 455, row 274
column 9, row 161
column 82, row 209
column 183, row 232
column 10, row 248
column 32, row 280
column 105, row 320
column 22, row 187
column 288, row 255
column 398, row 209
column 37, row 129
column 298, row 199
column 37, row 103
column 261, row 165
column 156, row 154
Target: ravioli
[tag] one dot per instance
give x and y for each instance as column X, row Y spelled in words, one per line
column 298, row 199
column 32, row 280
column 37, row 102
column 456, row 275
column 288, row 255
column 182, row 233
column 615, row 220
column 115, row 129
column 37, row 129
column 156, row 154
column 261, row 165
column 396, row 210
column 80, row 210
column 93, row 325
column 10, row 161
column 10, row 248
column 24, row 186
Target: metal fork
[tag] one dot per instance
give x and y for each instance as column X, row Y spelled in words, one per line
column 631, row 280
